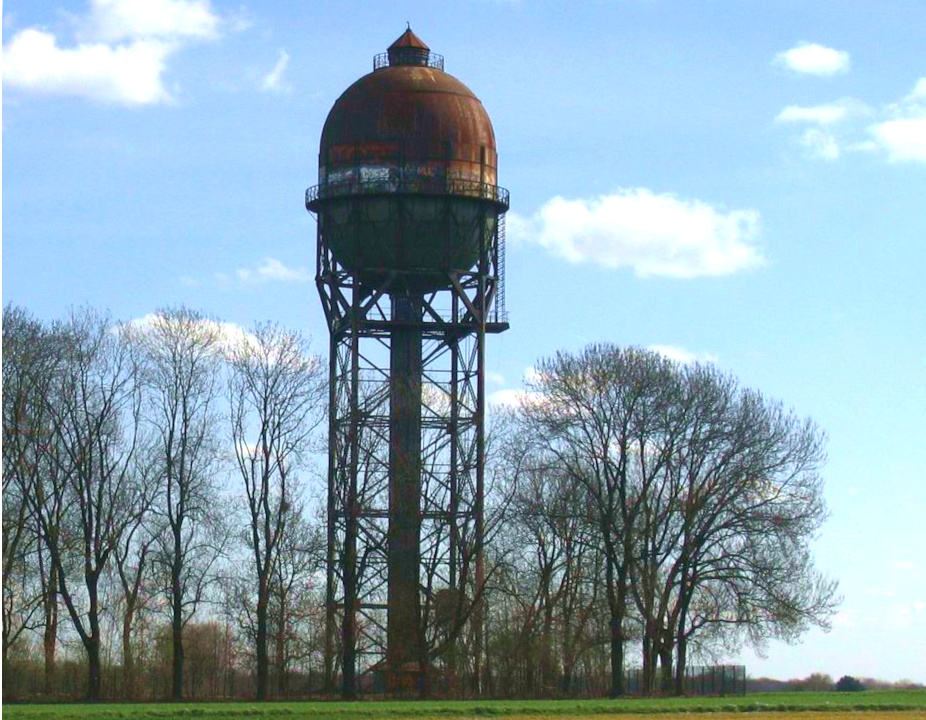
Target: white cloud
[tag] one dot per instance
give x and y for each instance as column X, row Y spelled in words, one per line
column 900, row 133
column 238, row 20
column 882, row 592
column 125, row 74
column 903, row 140
column 653, row 234
column 505, row 398
column 826, row 114
column 117, row 20
column 904, row 565
column 903, row 136
column 863, row 146
column 121, row 56
column 516, row 398
column 822, row 144
column 270, row 269
column 513, row 398
column 821, row 141
column 682, row 355
column 531, row 375
column 273, row 81
column 918, row 94
column 814, row 59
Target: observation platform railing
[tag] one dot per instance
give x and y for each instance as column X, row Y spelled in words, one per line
column 425, row 59
column 416, row 185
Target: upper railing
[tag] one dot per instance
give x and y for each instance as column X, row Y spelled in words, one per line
column 424, row 58
column 415, row 185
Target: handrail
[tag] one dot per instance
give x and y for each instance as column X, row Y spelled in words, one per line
column 415, row 185
column 432, row 60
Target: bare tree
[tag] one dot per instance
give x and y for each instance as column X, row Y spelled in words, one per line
column 93, row 410
column 182, row 353
column 749, row 507
column 276, row 394
column 132, row 555
column 703, row 497
column 585, row 422
column 27, row 373
column 296, row 606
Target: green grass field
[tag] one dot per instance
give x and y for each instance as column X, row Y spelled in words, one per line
column 784, row 703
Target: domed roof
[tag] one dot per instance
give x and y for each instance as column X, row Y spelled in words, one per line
column 409, row 110
column 408, row 100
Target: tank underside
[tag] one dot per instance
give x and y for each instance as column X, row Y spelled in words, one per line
column 419, row 239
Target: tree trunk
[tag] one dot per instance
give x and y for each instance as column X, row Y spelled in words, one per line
column 681, row 661
column 665, row 662
column 616, row 600
column 50, row 635
column 547, row 679
column 263, row 659
column 176, row 691
column 567, row 678
column 648, row 654
column 617, row 657
column 128, row 656
column 280, row 650
column 94, row 670
column 92, row 641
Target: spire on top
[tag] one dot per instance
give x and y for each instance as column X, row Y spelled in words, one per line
column 408, row 39
column 409, row 49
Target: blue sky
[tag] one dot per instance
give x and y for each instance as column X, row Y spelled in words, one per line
column 736, row 182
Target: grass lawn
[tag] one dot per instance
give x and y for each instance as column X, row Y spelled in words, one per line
column 829, row 705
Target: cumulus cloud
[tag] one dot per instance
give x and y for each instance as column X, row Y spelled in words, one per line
column 903, row 135
column 903, row 140
column 511, row 397
column 904, row 565
column 495, row 378
column 899, row 134
column 125, row 74
column 506, row 398
column 273, row 81
column 821, row 141
column 514, row 398
column 271, row 269
column 821, row 144
column 120, row 54
column 118, row 20
column 813, row 59
column 682, row 355
column 660, row 235
column 826, row 114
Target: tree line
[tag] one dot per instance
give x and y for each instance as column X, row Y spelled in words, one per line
column 659, row 511
column 149, row 470
column 160, row 536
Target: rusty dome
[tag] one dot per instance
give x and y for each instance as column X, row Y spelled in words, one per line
column 410, row 112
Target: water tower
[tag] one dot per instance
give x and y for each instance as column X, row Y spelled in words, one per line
column 411, row 277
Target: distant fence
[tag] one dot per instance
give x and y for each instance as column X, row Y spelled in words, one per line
column 699, row 680
column 715, row 680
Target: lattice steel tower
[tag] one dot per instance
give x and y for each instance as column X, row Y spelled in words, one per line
column 411, row 278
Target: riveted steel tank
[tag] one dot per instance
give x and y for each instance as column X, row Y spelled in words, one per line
column 407, row 172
